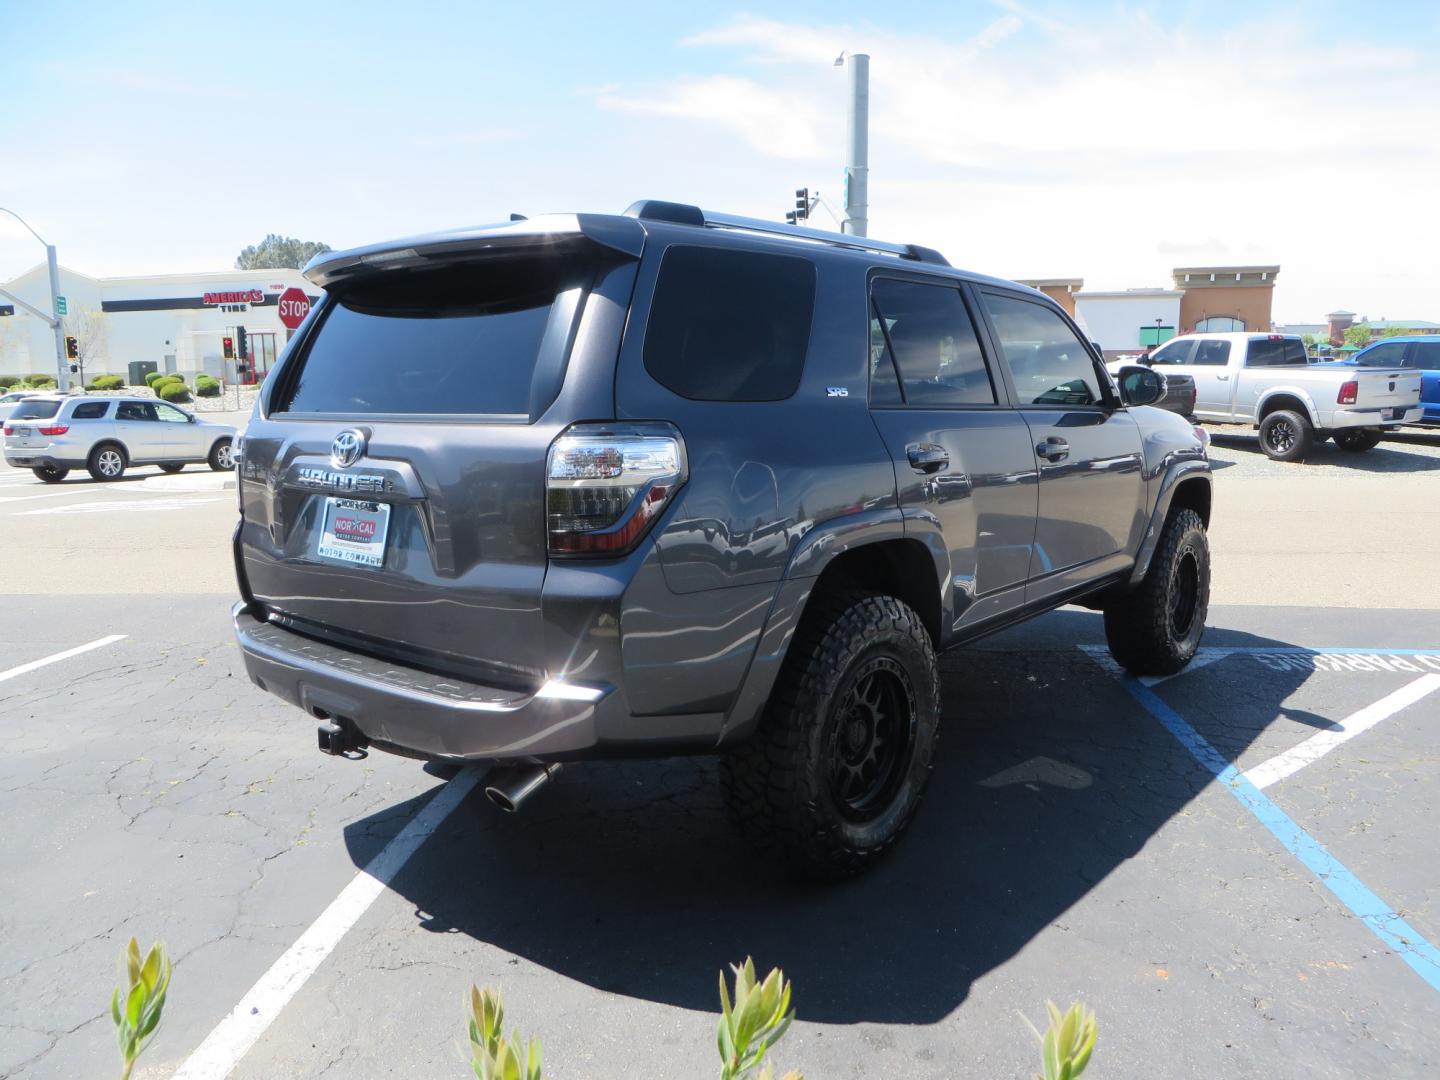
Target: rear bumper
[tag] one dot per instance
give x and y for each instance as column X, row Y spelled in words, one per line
column 1372, row 418
column 38, row 459
column 420, row 714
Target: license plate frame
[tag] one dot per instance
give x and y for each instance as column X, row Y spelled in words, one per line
column 356, row 539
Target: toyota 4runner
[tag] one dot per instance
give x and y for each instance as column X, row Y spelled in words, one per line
column 665, row 482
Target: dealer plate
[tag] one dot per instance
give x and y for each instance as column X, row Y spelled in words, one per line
column 353, row 531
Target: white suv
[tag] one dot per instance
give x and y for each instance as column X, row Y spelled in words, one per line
column 51, row 435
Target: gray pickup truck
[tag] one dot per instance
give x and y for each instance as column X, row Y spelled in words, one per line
column 586, row 487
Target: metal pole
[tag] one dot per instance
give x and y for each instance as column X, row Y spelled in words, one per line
column 61, row 362
column 857, row 161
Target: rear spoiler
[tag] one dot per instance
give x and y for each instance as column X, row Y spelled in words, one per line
column 552, row 231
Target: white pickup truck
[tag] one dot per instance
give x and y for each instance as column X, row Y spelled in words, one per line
column 1264, row 380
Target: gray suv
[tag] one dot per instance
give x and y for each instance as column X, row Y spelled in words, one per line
column 667, row 482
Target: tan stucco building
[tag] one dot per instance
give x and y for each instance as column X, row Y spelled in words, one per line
column 1225, row 297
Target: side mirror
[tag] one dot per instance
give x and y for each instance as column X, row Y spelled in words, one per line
column 1099, row 349
column 1140, row 385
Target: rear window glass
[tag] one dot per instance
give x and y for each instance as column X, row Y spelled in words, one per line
column 458, row 340
column 35, row 410
column 90, row 410
column 1425, row 354
column 1273, row 352
column 730, row 325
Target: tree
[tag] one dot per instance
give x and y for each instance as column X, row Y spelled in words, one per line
column 1315, row 339
column 1395, row 331
column 279, row 252
column 1359, row 336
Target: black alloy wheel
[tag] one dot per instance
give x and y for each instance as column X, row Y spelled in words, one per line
column 869, row 742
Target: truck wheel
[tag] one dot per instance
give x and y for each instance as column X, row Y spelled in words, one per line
column 1156, row 628
column 840, row 762
column 1357, row 441
column 51, row 474
column 1286, row 436
column 107, row 462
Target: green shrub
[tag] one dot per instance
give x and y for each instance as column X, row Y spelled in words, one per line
column 164, row 381
column 7, row 381
column 152, row 377
column 207, row 389
column 40, row 382
column 40, row 377
column 174, row 392
column 107, row 382
column 206, row 380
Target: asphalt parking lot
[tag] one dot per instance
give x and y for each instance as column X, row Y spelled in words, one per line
column 1235, row 866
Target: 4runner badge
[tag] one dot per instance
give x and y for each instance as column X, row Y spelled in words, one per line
column 324, row 478
column 347, row 448
column 837, row 391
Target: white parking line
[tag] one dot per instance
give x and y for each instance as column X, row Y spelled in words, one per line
column 223, row 1048
column 104, row 507
column 98, row 643
column 1317, row 746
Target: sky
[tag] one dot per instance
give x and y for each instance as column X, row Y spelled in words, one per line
column 1109, row 142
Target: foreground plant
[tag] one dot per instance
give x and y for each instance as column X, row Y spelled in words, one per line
column 759, row 1017
column 1067, row 1043
column 136, row 1006
column 491, row 1055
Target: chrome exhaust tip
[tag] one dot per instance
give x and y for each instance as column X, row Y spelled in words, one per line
column 509, row 787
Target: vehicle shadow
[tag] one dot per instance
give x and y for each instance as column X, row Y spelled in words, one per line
column 1389, row 457
column 626, row 876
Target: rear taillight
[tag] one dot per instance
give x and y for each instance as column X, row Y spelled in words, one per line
column 58, row 429
column 8, row 430
column 606, row 484
column 1348, row 393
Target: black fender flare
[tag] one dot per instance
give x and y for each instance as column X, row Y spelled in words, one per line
column 1177, row 473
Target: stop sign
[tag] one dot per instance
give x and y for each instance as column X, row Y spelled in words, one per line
column 294, row 306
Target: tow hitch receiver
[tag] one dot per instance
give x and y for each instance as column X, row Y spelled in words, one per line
column 340, row 739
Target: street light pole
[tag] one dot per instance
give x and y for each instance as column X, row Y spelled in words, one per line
column 857, row 160
column 62, row 369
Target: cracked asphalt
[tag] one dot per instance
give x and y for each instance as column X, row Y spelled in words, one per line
column 1069, row 847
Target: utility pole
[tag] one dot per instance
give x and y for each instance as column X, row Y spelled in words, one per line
column 62, row 363
column 857, row 158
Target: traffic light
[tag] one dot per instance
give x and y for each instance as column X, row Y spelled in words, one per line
column 72, row 347
column 227, row 347
column 802, row 204
column 242, row 343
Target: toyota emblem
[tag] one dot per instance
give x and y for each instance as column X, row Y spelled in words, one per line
column 347, row 448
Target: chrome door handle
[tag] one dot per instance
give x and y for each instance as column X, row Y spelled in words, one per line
column 926, row 457
column 1223, row 378
column 1053, row 449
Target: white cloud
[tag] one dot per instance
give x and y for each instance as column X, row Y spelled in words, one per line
column 1107, row 149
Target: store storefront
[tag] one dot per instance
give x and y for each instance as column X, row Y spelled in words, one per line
column 176, row 322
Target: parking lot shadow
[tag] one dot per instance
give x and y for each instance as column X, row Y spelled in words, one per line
column 1393, row 455
column 626, row 877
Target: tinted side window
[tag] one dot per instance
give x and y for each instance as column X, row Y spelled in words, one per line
column 1274, row 352
column 928, row 336
column 730, row 325
column 1213, row 353
column 1173, row 352
column 1388, row 354
column 1425, row 355
column 134, row 410
column 90, row 410
column 1048, row 362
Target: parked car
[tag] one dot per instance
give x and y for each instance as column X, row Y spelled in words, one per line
column 52, row 434
column 10, row 400
column 1264, row 380
column 1177, row 393
column 1413, row 352
column 669, row 482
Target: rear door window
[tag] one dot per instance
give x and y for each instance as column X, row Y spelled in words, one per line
column 456, row 340
column 1048, row 362
column 35, row 410
column 730, row 325
column 1386, row 354
column 1424, row 355
column 925, row 334
column 1212, row 353
column 90, row 410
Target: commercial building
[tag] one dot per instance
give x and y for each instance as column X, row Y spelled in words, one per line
column 178, row 322
column 1203, row 298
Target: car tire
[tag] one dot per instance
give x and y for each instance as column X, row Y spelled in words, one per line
column 51, row 474
column 840, row 761
column 171, row 466
column 1286, row 436
column 222, row 458
column 1357, row 442
column 1155, row 628
column 107, row 462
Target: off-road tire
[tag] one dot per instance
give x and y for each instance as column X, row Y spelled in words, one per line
column 1286, row 436
column 1357, row 442
column 780, row 786
column 51, row 474
column 221, row 456
column 1156, row 628
column 100, row 463
column 171, row 466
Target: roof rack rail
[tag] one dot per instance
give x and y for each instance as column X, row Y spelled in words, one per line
column 848, row 240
